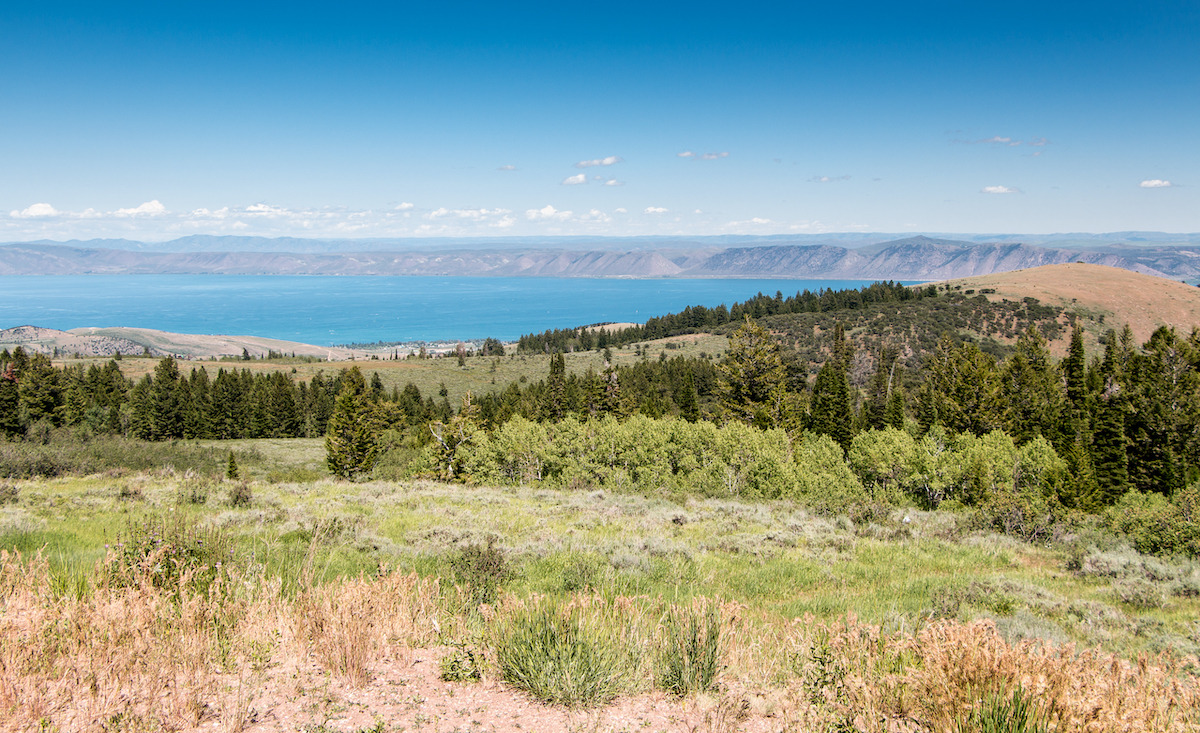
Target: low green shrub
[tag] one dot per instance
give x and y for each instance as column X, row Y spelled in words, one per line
column 483, row 569
column 461, row 664
column 1154, row 525
column 168, row 551
column 1139, row 593
column 240, row 494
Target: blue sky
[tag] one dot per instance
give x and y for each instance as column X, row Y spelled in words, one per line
column 157, row 120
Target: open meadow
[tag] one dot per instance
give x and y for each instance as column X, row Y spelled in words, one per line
column 176, row 599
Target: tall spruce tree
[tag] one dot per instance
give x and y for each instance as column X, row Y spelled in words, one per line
column 351, row 440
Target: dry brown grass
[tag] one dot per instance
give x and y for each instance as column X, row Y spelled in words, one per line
column 143, row 658
column 1144, row 302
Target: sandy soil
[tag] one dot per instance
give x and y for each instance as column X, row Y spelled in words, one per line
column 405, row 692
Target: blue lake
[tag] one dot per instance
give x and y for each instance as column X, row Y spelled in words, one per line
column 338, row 310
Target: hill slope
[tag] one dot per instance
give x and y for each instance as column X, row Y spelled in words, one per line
column 1120, row 296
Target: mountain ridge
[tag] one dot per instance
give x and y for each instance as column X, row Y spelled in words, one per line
column 913, row 258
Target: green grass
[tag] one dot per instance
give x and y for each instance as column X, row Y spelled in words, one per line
column 776, row 558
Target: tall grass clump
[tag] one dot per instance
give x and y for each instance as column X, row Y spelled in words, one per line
column 1016, row 713
column 690, row 652
column 577, row 654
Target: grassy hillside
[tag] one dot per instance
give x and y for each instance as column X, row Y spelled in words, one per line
column 1104, row 297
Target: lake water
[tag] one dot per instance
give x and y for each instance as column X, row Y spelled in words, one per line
column 339, row 310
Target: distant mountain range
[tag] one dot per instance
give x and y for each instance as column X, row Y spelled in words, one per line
column 839, row 256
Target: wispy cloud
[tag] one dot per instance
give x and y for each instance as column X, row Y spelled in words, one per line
column 467, row 214
column 575, row 180
column 999, row 189
column 614, row 182
column 610, row 160
column 654, row 210
column 404, row 206
column 509, row 167
column 828, row 179
column 596, row 215
column 702, row 156
column 1006, row 141
column 1156, row 183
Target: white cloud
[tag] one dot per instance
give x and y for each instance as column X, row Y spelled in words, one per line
column 610, row 160
column 622, row 210
column 1156, row 183
column 404, row 206
column 714, row 156
column 547, row 213
column 574, row 180
column 685, row 154
column 654, row 210
column 613, row 182
column 828, row 179
column 505, row 222
column 150, row 208
column 509, row 167
column 1038, row 142
column 999, row 189
column 35, row 211
column 267, row 210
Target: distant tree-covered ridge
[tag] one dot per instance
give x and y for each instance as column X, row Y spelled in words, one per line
column 909, row 319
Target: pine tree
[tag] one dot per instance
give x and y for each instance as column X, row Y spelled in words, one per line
column 351, row 442
column 10, row 403
column 752, row 377
column 831, row 412
column 689, row 403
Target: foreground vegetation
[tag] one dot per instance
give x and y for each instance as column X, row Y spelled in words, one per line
column 190, row 587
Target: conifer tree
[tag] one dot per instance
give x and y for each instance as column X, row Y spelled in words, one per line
column 831, row 410
column 752, row 377
column 10, row 403
column 351, row 442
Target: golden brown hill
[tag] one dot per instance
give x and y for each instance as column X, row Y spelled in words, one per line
column 1119, row 296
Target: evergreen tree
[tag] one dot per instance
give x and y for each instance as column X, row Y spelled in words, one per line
column 752, row 377
column 689, row 404
column 351, row 441
column 830, row 411
column 554, row 400
column 10, row 403
column 1030, row 390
